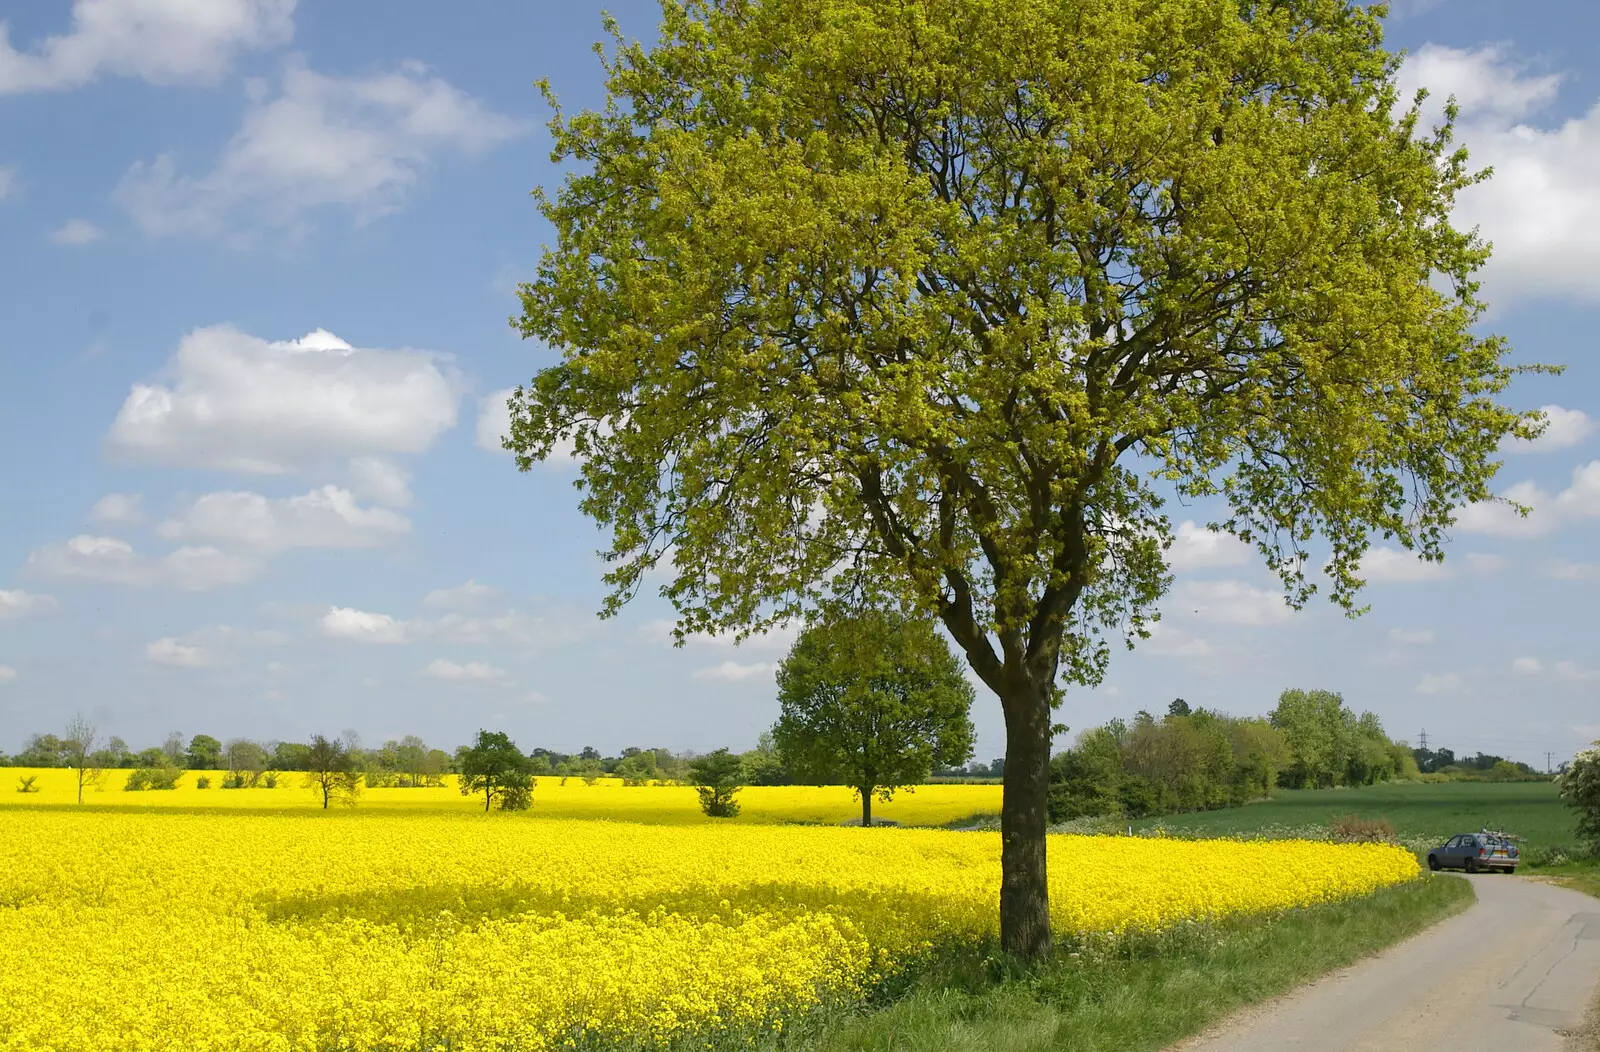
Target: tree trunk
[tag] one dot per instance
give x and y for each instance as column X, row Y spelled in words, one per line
column 1024, row 887
column 866, row 805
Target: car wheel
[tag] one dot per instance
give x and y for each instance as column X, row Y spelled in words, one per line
column 1433, row 863
column 1510, row 870
column 1472, row 865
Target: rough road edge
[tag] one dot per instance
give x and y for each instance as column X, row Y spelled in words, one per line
column 1587, row 1037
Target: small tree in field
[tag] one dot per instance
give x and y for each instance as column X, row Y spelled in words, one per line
column 717, row 776
column 1580, row 788
column 81, row 742
column 330, row 770
column 875, row 701
column 496, row 768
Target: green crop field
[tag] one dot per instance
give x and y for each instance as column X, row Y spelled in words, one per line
column 1528, row 809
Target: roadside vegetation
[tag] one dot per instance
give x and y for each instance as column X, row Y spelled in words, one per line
column 1145, row 994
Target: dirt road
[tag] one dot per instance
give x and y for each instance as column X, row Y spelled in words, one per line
column 1507, row 975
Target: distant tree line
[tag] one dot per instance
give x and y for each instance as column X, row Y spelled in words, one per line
column 403, row 763
column 1480, row 767
column 1194, row 759
column 871, row 699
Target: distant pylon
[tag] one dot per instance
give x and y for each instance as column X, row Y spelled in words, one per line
column 1423, row 739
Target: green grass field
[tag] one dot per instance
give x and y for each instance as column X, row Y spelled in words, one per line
column 1529, row 809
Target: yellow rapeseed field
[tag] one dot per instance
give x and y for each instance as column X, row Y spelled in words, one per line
column 403, row 929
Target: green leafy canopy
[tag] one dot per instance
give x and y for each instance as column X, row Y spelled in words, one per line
column 913, row 300
column 874, row 701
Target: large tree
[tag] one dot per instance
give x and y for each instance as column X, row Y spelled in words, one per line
column 718, row 776
column 921, row 301
column 203, row 754
column 330, row 767
column 494, row 767
column 874, row 700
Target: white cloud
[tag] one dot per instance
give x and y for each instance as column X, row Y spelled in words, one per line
column 1572, row 672
column 1382, row 565
column 509, row 627
column 240, row 403
column 7, row 674
column 359, row 626
column 1541, row 209
column 1409, row 8
column 494, row 421
column 1564, row 428
column 76, row 232
column 161, row 41
column 1581, row 500
column 471, row 672
column 118, row 507
column 1547, row 514
column 172, row 653
column 734, row 672
column 778, row 638
column 1497, row 519
column 467, row 595
column 9, row 183
column 1385, row 565
column 1168, row 641
column 381, row 481
column 1195, row 547
column 1562, row 570
column 324, row 518
column 1405, row 638
column 1231, row 603
column 1450, row 683
column 114, row 561
column 358, row 145
column 1563, row 671
column 17, row 603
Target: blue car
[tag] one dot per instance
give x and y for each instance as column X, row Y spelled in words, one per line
column 1476, row 853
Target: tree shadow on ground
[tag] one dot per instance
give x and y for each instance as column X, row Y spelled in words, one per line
column 419, row 907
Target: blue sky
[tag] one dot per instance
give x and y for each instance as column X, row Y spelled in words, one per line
column 258, row 258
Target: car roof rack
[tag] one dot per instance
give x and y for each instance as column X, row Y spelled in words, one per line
column 1486, row 831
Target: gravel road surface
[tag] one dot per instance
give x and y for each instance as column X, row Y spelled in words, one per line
column 1509, row 974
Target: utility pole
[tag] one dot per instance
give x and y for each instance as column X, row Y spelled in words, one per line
column 1422, row 740
column 1548, row 766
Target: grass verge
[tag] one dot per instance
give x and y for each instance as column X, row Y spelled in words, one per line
column 1435, row 812
column 1144, row 995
